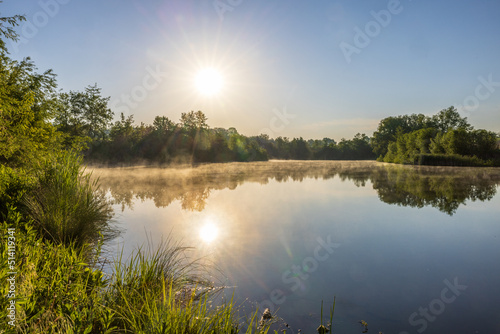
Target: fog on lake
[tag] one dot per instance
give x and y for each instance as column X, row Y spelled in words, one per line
column 407, row 249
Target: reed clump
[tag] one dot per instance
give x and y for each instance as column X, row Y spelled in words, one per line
column 66, row 204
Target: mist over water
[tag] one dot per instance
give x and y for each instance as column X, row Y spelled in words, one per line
column 385, row 239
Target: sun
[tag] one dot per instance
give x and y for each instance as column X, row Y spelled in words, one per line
column 209, row 81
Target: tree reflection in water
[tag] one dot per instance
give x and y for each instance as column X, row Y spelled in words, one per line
column 445, row 188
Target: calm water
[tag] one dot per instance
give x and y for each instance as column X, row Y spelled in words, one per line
column 407, row 249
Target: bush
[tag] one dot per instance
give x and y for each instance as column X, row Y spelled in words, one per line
column 66, row 205
column 451, row 160
column 13, row 185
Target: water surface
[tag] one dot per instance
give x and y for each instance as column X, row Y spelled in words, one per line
column 404, row 248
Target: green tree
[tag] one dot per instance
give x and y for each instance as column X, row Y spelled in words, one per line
column 97, row 115
column 192, row 121
column 84, row 114
column 299, row 149
column 388, row 129
column 163, row 124
column 282, row 145
column 26, row 107
column 450, row 119
column 456, row 141
column 484, row 143
column 409, row 146
column 391, row 128
column 361, row 147
column 69, row 120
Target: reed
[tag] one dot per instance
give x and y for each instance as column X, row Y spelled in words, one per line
column 66, row 205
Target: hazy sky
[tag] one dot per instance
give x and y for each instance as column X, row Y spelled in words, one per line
column 290, row 68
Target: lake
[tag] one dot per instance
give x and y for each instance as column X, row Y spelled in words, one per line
column 407, row 249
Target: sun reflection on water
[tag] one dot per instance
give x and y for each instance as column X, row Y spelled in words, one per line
column 209, row 231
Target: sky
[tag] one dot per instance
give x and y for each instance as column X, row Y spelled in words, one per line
column 291, row 68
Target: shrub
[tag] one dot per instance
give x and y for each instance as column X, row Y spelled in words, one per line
column 451, row 160
column 66, row 204
column 14, row 183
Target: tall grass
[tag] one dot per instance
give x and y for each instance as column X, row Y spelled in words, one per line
column 160, row 290
column 56, row 290
column 66, row 205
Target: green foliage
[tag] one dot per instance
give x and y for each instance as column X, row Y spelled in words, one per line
column 13, row 186
column 409, row 146
column 193, row 141
column 451, row 160
column 391, row 127
column 358, row 148
column 450, row 119
column 83, row 117
column 449, row 137
column 163, row 125
column 299, row 149
column 190, row 141
column 158, row 291
column 56, row 291
column 26, row 107
column 7, row 25
column 28, row 103
column 193, row 121
column 66, row 205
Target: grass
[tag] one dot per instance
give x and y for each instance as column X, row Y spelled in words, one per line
column 159, row 290
column 66, row 204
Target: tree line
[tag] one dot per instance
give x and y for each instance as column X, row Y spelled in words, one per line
column 445, row 138
column 84, row 122
column 192, row 140
column 442, row 139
